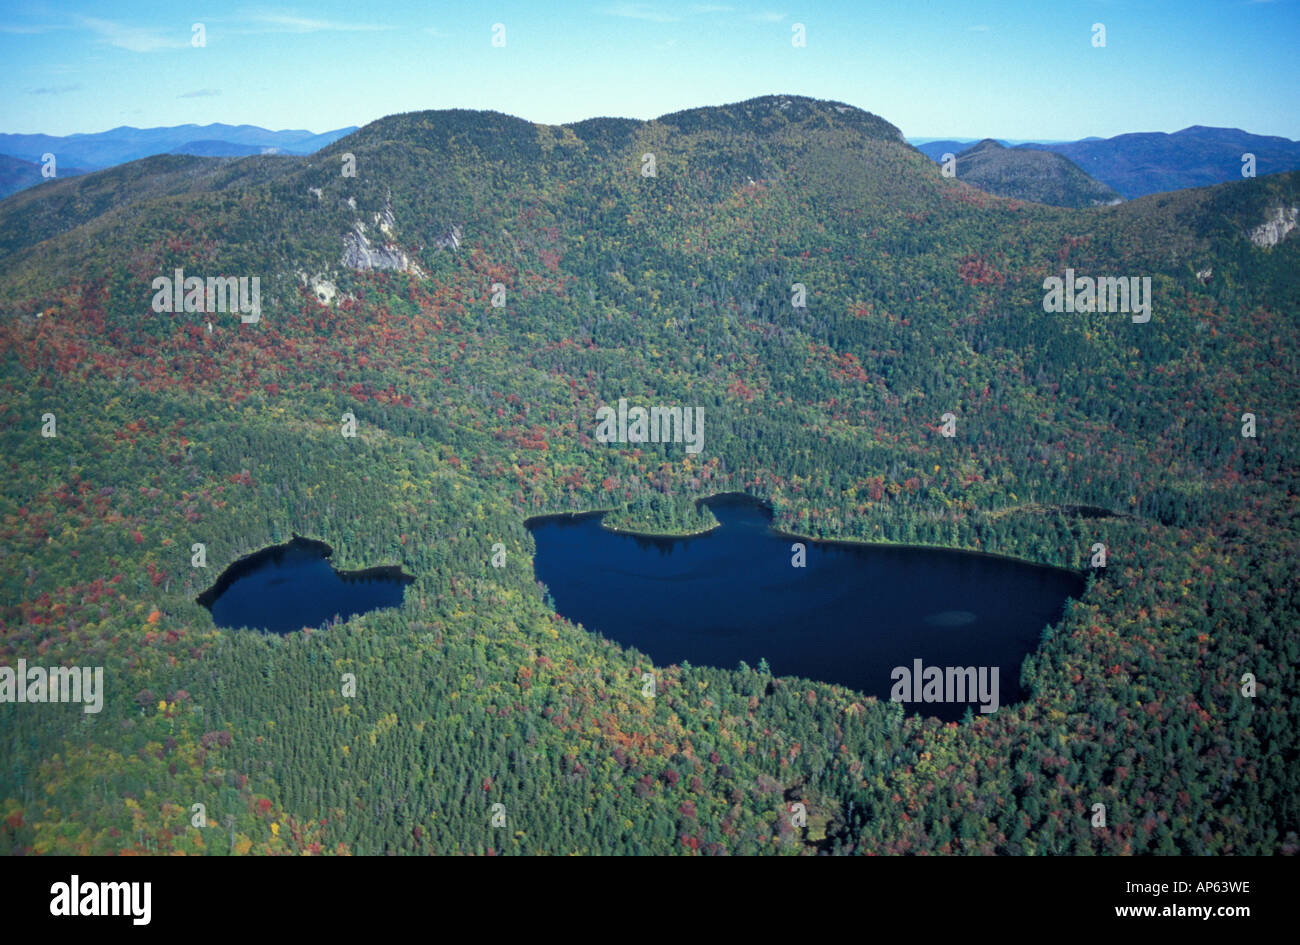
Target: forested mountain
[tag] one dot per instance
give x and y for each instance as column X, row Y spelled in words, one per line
column 217, row 148
column 936, row 148
column 1142, row 163
column 21, row 155
column 1152, row 162
column 102, row 149
column 16, row 174
column 1040, row 176
column 655, row 261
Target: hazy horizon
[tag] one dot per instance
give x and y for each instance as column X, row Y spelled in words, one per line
column 911, row 139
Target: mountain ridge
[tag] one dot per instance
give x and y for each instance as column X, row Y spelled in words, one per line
column 98, row 150
column 765, row 123
column 1040, row 176
column 1135, row 164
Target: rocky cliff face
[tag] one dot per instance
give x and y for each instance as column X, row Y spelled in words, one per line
column 359, row 253
column 449, row 240
column 1275, row 229
column 324, row 290
column 386, row 219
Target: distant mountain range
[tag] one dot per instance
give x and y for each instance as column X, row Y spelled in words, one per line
column 76, row 154
column 17, row 174
column 1041, row 176
column 1153, row 162
column 1131, row 165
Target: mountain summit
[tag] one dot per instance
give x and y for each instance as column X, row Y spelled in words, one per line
column 1041, row 176
column 773, row 113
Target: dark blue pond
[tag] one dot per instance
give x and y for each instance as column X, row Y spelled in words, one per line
column 291, row 586
column 852, row 616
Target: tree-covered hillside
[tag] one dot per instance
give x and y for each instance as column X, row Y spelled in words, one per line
column 1040, row 176
column 660, row 262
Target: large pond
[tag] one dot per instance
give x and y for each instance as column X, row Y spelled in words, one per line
column 941, row 630
column 291, row 586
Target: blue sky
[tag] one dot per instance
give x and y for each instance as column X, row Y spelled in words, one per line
column 1020, row 69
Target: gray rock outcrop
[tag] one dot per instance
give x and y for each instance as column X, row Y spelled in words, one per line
column 1275, row 228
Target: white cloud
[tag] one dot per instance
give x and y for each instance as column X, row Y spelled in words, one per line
column 289, row 23
column 653, row 13
column 640, row 11
column 135, row 38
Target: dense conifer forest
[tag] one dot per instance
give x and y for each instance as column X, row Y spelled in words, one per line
column 924, row 297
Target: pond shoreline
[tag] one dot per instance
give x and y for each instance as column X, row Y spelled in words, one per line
column 844, row 612
column 543, row 517
column 250, row 562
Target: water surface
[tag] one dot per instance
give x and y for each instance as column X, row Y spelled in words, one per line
column 852, row 615
column 291, row 586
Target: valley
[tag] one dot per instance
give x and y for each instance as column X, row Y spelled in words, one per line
column 923, row 297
